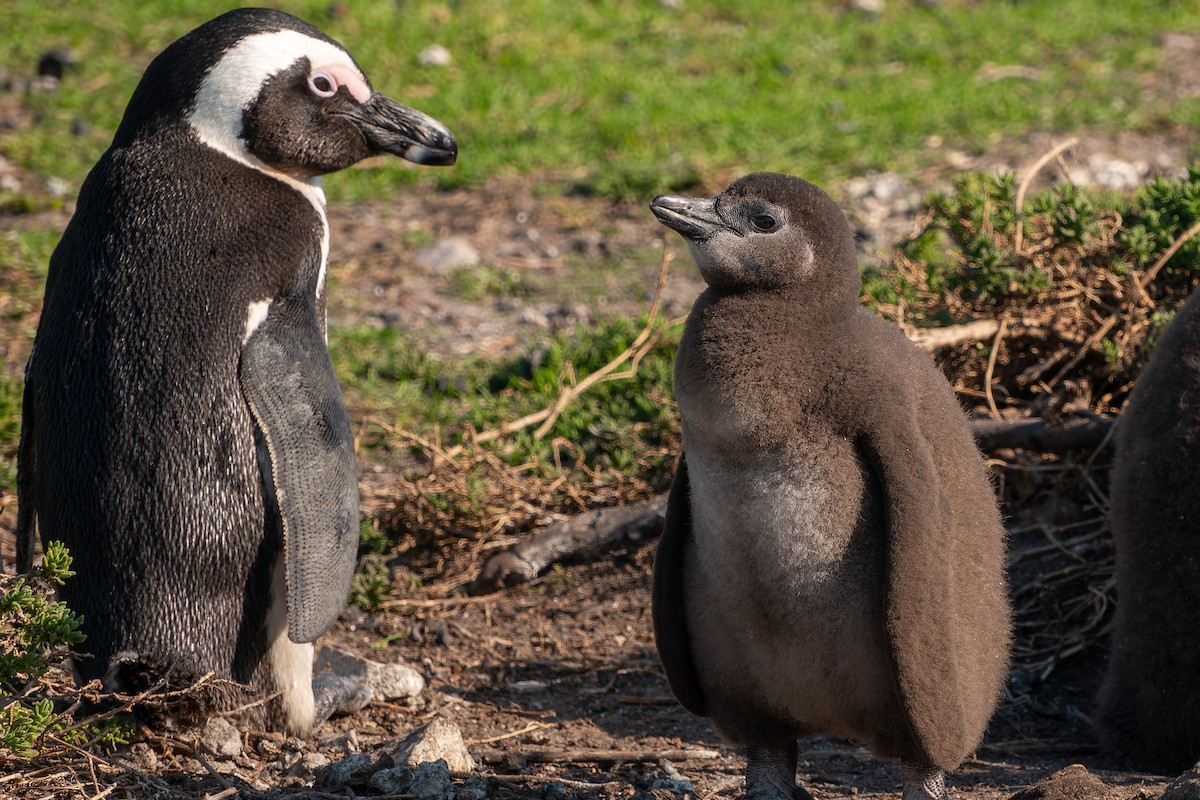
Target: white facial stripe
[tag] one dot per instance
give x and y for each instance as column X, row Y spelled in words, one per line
column 232, row 85
column 235, row 81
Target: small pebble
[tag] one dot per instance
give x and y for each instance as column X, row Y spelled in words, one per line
column 431, row 781
column 434, row 56
column 220, row 738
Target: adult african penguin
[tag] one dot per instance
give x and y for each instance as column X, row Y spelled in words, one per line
column 833, row 557
column 1149, row 703
column 183, row 432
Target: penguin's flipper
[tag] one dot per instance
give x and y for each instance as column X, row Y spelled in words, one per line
column 920, row 628
column 668, row 601
column 26, row 468
column 288, row 381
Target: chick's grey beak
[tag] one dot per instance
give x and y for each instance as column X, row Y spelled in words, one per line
column 391, row 127
column 691, row 217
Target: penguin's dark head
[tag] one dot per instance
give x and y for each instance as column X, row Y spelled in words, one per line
column 766, row 231
column 271, row 90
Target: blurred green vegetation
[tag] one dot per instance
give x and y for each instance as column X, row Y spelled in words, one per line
column 632, row 97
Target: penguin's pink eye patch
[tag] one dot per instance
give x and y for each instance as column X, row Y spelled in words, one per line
column 325, row 82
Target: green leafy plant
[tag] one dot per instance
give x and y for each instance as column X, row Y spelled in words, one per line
column 372, row 581
column 36, row 632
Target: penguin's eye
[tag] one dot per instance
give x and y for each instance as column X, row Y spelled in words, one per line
column 322, row 84
column 763, row 222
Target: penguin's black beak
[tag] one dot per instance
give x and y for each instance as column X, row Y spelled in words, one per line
column 691, row 217
column 391, row 127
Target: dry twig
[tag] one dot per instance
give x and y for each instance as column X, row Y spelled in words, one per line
column 1050, row 155
column 632, row 355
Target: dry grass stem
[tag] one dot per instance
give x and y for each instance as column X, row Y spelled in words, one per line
column 1047, row 157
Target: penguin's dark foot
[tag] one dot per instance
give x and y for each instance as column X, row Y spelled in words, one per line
column 337, row 694
column 771, row 774
column 922, row 782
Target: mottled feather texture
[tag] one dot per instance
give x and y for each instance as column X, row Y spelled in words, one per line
column 841, row 570
column 145, row 447
column 183, row 431
column 1149, row 703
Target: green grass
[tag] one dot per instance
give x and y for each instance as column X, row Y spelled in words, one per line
column 626, row 98
column 24, row 255
column 629, row 98
column 386, row 379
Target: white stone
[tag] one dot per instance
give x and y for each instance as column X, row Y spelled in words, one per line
column 440, row 740
column 447, row 254
column 386, row 681
column 434, row 56
column 220, row 738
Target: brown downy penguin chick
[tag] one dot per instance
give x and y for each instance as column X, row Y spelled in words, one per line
column 833, row 558
column 1149, row 703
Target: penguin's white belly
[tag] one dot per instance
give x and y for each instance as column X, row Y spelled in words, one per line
column 784, row 582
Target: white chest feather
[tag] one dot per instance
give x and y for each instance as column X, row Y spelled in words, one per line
column 783, row 517
column 784, row 578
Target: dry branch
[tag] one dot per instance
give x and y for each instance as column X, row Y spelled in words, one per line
column 1076, row 433
column 1108, row 324
column 633, row 354
column 599, row 528
column 601, row 756
column 981, row 329
column 1019, row 233
column 526, row 560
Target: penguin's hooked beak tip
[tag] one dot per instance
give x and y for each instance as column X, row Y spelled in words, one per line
column 391, row 127
column 442, row 156
column 690, row 217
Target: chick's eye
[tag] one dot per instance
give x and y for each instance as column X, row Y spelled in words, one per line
column 764, row 222
column 322, row 85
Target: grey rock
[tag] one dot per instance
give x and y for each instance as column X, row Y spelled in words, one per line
column 434, row 56
column 220, row 738
column 302, row 764
column 386, row 681
column 9, row 182
column 431, row 781
column 394, row 780
column 44, row 84
column 314, row 761
column 857, row 187
column 440, row 740
column 143, row 757
column 353, row 770
column 1185, row 787
column 473, row 788
column 888, row 186
column 1113, row 173
column 1073, row 782
column 447, row 254
column 1180, row 41
column 58, row 187
column 672, row 781
column 533, row 317
column 336, row 694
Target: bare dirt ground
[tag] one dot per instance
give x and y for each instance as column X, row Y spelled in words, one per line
column 555, row 684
